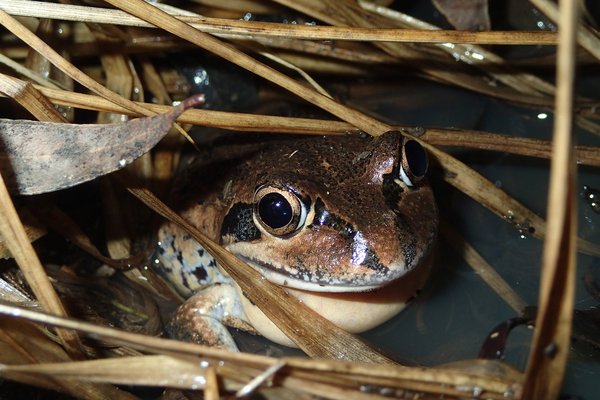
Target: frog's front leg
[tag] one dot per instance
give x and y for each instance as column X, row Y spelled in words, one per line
column 202, row 318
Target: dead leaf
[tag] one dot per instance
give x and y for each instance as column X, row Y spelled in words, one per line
column 467, row 15
column 38, row 157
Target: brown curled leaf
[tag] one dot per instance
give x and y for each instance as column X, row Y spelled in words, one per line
column 468, row 15
column 38, row 157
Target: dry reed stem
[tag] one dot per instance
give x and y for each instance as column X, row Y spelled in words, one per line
column 351, row 58
column 54, row 218
column 33, row 229
column 183, row 373
column 165, row 21
column 536, row 89
column 518, row 81
column 229, row 27
column 499, row 202
column 328, row 391
column 30, row 353
column 350, row 13
column 457, row 173
column 30, row 98
column 61, row 63
column 211, row 387
column 21, row 249
column 69, row 69
column 137, row 341
column 267, row 55
column 14, row 234
column 26, row 72
column 431, row 380
column 585, row 36
column 219, row 119
column 551, row 342
column 299, row 71
column 482, row 268
column 28, row 343
column 586, row 155
column 260, row 379
column 474, row 55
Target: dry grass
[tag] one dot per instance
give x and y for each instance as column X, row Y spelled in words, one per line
column 364, row 373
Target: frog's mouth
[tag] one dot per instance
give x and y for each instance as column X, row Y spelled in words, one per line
column 308, row 281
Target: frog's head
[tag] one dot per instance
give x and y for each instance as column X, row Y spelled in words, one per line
column 333, row 214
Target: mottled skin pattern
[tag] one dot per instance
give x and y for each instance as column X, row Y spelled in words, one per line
column 364, row 227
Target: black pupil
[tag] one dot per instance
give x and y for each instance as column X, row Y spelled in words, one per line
column 275, row 210
column 416, row 157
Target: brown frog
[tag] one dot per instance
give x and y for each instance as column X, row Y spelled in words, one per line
column 347, row 224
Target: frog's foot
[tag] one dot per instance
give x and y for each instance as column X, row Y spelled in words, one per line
column 201, row 319
column 188, row 326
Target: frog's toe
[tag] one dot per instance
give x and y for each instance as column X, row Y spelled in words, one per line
column 201, row 318
column 190, row 326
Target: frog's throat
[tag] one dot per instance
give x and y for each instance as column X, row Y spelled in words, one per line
column 308, row 283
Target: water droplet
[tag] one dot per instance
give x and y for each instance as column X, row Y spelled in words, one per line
column 478, row 56
column 592, row 198
column 366, row 388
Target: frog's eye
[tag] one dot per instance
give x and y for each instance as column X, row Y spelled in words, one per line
column 280, row 212
column 413, row 165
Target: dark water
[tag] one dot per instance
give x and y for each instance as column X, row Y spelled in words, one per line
column 457, row 310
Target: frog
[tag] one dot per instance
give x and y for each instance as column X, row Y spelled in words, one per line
column 347, row 224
